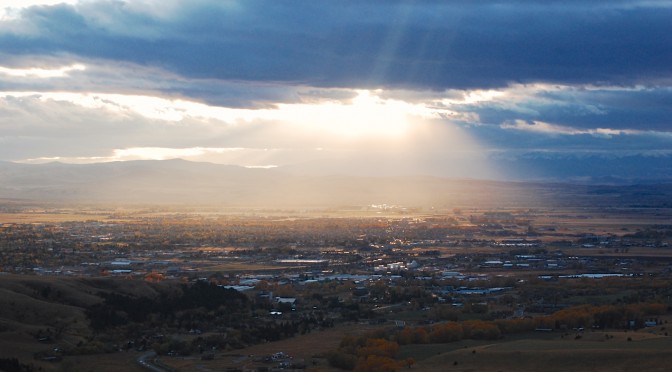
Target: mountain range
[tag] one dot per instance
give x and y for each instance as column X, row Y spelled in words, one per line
column 181, row 182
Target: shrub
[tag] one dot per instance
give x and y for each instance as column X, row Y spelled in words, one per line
column 339, row 359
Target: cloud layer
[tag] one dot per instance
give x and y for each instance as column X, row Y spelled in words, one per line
column 364, row 44
column 447, row 82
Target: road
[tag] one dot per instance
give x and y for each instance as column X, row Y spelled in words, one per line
column 146, row 360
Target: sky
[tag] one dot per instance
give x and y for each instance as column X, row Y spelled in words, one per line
column 544, row 90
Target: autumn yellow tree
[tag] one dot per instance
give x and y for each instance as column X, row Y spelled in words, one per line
column 446, row 332
column 481, row 330
column 380, row 347
column 377, row 363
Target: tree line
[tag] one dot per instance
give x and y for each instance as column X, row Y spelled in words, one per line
column 378, row 352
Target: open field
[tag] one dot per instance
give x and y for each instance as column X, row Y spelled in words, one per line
column 48, row 217
column 618, row 354
column 632, row 252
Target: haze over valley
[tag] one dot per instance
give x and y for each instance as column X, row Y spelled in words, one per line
column 182, row 183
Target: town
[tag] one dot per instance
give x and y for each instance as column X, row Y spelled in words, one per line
column 298, row 273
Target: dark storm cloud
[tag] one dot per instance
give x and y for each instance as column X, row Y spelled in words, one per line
column 512, row 142
column 403, row 44
column 645, row 109
column 613, row 108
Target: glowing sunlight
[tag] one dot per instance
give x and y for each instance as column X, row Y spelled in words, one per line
column 367, row 115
